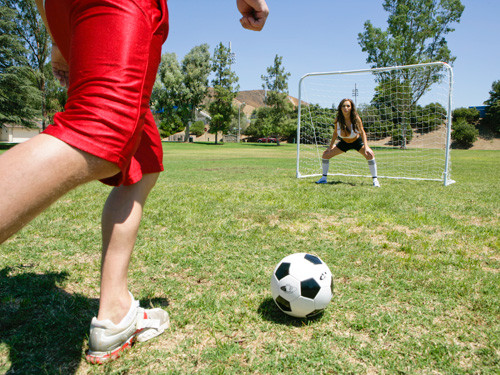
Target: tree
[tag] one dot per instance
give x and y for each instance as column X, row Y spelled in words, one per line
column 492, row 118
column 494, row 93
column 169, row 96
column 55, row 94
column 198, row 128
column 36, row 39
column 471, row 115
column 276, row 86
column 180, row 90
column 225, row 90
column 415, row 34
column 195, row 69
column 19, row 100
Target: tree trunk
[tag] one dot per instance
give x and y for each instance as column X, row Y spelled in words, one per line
column 44, row 107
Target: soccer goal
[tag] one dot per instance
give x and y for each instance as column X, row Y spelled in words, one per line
column 406, row 113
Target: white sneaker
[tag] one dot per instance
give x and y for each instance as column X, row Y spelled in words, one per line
column 322, row 180
column 376, row 183
column 107, row 340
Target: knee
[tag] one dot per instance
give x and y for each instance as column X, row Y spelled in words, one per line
column 149, row 180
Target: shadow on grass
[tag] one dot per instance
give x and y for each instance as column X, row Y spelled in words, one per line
column 6, row 146
column 259, row 144
column 338, row 183
column 43, row 326
column 270, row 312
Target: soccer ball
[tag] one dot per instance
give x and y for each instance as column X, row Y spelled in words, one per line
column 302, row 285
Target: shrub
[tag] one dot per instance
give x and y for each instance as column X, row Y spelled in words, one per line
column 464, row 134
column 197, row 128
column 397, row 135
column 471, row 115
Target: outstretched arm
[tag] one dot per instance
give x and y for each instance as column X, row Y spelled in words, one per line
column 254, row 13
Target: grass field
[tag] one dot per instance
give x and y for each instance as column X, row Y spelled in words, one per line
column 415, row 264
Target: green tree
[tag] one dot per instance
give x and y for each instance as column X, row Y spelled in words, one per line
column 169, row 96
column 195, row 69
column 36, row 39
column 464, row 134
column 19, row 100
column 471, row 115
column 225, row 90
column 259, row 124
column 55, row 94
column 494, row 93
column 415, row 34
column 198, row 128
column 180, row 89
column 276, row 86
column 491, row 120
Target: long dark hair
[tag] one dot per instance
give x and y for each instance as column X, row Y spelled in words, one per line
column 354, row 117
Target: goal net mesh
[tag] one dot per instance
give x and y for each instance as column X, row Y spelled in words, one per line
column 405, row 113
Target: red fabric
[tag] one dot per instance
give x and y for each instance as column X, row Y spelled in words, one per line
column 113, row 48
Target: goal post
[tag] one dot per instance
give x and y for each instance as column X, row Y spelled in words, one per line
column 406, row 113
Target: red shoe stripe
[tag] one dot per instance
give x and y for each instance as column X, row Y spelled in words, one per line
column 113, row 355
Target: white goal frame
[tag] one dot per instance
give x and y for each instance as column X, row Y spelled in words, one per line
column 303, row 103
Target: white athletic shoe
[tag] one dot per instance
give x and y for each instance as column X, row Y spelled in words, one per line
column 107, row 340
column 376, row 183
column 322, row 180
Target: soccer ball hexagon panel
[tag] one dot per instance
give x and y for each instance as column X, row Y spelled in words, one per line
column 302, row 285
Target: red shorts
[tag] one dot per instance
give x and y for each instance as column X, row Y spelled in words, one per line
column 113, row 48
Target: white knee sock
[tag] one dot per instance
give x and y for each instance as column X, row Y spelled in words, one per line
column 325, row 164
column 372, row 164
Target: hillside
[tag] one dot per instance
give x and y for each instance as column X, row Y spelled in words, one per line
column 254, row 99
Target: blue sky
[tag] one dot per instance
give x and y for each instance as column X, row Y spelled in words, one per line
column 321, row 35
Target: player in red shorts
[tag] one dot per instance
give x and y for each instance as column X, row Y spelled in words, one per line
column 107, row 53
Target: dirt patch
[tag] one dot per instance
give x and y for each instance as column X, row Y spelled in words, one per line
column 419, row 140
column 486, row 144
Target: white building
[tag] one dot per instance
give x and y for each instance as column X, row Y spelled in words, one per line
column 12, row 133
column 205, row 137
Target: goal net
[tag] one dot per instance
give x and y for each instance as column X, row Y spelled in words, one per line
column 406, row 114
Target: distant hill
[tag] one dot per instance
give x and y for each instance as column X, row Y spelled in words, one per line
column 253, row 99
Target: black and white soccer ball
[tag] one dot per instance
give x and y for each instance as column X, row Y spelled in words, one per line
column 302, row 285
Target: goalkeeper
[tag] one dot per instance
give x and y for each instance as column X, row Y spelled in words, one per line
column 349, row 129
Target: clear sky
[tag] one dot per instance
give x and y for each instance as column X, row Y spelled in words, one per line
column 321, row 35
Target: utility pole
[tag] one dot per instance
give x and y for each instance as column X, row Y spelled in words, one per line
column 239, row 122
column 355, row 95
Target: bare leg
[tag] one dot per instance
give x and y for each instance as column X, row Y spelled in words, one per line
column 367, row 156
column 121, row 218
column 325, row 162
column 36, row 173
column 330, row 153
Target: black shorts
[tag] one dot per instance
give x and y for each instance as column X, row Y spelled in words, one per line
column 356, row 145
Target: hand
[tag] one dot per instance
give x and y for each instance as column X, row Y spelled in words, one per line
column 369, row 152
column 60, row 67
column 254, row 13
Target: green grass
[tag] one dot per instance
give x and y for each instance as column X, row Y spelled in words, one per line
column 415, row 264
